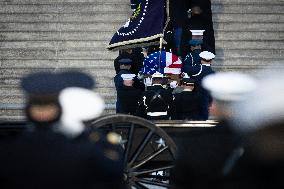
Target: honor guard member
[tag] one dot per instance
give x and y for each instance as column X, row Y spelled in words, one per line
column 260, row 119
column 155, row 103
column 208, row 167
column 187, row 104
column 135, row 55
column 79, row 106
column 197, row 73
column 124, row 65
column 128, row 95
column 42, row 90
column 192, row 58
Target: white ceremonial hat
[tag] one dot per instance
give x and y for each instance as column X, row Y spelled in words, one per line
column 197, row 32
column 264, row 106
column 78, row 105
column 128, row 76
column 229, row 86
column 207, row 55
column 157, row 74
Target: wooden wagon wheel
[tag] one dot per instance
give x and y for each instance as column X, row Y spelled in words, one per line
column 148, row 151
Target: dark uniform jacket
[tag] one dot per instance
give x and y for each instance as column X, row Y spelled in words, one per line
column 191, row 59
column 198, row 73
column 187, row 105
column 118, row 81
column 155, row 103
column 203, row 156
column 45, row 159
column 128, row 98
column 137, row 61
column 204, row 21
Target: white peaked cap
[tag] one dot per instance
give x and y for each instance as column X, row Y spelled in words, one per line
column 157, row 74
column 186, row 75
column 81, row 104
column 229, row 86
column 78, row 105
column 207, row 55
column 128, row 76
column 265, row 105
column 197, row 32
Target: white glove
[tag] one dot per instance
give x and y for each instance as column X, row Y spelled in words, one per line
column 148, row 81
column 173, row 84
column 140, row 76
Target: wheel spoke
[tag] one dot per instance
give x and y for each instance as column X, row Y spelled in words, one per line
column 155, row 183
column 129, row 143
column 139, row 185
column 148, row 158
column 152, row 170
column 141, row 147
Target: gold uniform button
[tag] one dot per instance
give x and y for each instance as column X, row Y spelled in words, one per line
column 94, row 137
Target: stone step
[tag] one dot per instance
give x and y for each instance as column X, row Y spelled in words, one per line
column 86, row 59
column 105, row 36
column 104, row 31
column 16, row 111
column 56, row 45
column 121, row 18
column 71, row 8
column 127, row 1
column 18, row 58
column 21, row 2
column 12, row 76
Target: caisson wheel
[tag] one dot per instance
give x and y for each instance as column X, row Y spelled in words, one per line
column 148, row 151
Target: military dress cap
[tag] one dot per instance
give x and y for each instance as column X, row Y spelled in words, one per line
column 128, row 76
column 264, row 106
column 206, row 55
column 195, row 42
column 157, row 75
column 229, row 86
column 125, row 61
column 197, row 32
column 78, row 105
column 41, row 83
column 186, row 80
column 76, row 79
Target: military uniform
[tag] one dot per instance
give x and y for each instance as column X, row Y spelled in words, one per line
column 192, row 58
column 202, row 157
column 128, row 96
column 45, row 159
column 204, row 21
column 187, row 106
column 155, row 103
column 137, row 58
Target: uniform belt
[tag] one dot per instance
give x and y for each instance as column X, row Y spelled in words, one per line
column 157, row 113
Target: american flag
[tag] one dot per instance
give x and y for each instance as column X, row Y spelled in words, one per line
column 163, row 62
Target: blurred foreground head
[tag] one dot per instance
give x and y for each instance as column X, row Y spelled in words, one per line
column 42, row 90
column 78, row 105
column 261, row 117
column 226, row 89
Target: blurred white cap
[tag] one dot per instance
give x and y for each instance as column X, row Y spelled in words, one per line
column 207, row 55
column 157, row 74
column 229, row 86
column 128, row 76
column 197, row 32
column 78, row 105
column 265, row 105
